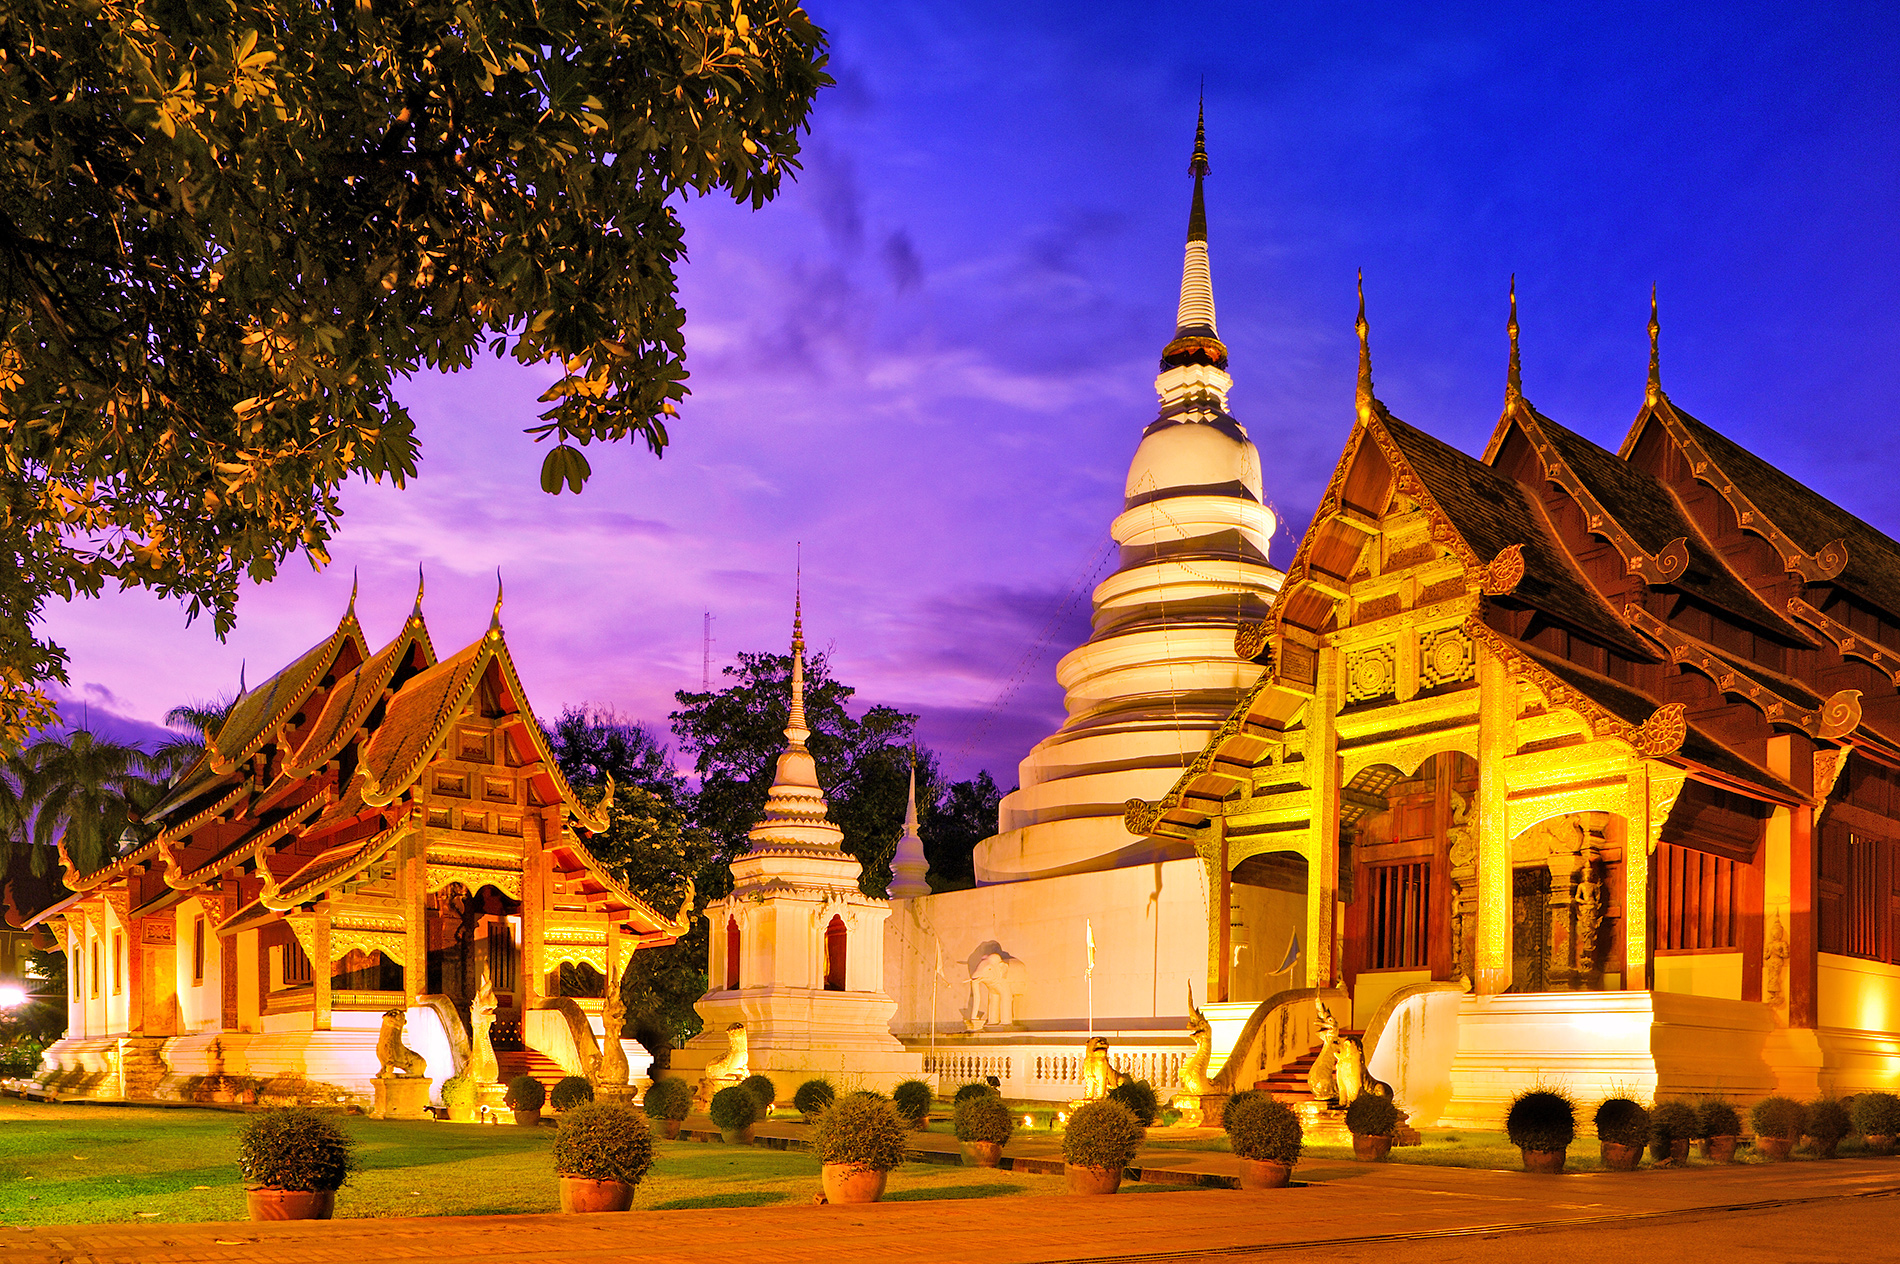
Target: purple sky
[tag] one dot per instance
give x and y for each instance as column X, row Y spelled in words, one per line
column 931, row 359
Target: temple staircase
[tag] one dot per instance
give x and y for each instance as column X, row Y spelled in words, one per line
column 1320, row 1122
column 514, row 1062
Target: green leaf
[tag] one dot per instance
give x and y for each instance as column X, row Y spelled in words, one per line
column 565, row 465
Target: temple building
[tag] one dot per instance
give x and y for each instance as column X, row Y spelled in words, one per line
column 370, row 841
column 1592, row 762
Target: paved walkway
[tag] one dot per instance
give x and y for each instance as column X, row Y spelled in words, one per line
column 1343, row 1207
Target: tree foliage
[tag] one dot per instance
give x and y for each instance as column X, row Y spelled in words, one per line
column 228, row 228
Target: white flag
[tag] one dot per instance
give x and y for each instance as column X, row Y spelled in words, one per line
column 1090, row 925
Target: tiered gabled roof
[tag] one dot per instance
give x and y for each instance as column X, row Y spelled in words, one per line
column 1527, row 525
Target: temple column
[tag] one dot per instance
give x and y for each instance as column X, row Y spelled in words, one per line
column 1636, row 881
column 321, row 966
column 229, row 893
column 1224, row 967
column 1496, row 705
column 415, row 919
column 533, row 919
column 1322, row 870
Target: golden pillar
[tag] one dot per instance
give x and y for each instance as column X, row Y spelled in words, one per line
column 415, row 918
column 1495, row 707
column 528, row 982
column 321, row 965
column 1636, row 881
column 1322, row 868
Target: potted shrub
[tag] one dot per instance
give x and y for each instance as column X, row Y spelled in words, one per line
column 295, row 1160
column 813, row 1098
column 1623, row 1129
column 912, row 1099
column 1828, row 1122
column 669, row 1101
column 983, row 1124
column 734, row 1111
column 600, row 1153
column 1778, row 1125
column 458, row 1098
column 526, row 1095
column 857, row 1142
column 1100, row 1140
column 1718, row 1127
column 1672, row 1125
column 763, row 1091
column 1877, row 1118
column 1264, row 1134
column 1139, row 1097
column 1541, row 1123
column 1372, row 1118
column 570, row 1091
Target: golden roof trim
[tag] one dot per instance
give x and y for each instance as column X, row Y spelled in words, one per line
column 1663, row 733
column 1838, row 715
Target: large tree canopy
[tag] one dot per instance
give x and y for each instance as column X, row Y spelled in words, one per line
column 229, row 227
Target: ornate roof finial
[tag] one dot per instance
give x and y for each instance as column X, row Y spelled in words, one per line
column 416, row 613
column 351, row 608
column 1363, row 398
column 1196, row 338
column 795, row 729
column 241, row 689
column 1513, row 376
column 494, row 620
column 1653, row 392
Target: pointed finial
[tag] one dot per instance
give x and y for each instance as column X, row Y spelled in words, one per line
column 795, row 729
column 1197, row 165
column 1513, row 376
column 417, row 612
column 1363, row 396
column 1653, row 392
column 494, row 620
column 351, row 609
column 241, row 664
column 910, row 804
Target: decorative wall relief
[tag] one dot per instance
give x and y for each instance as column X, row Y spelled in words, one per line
column 1774, row 963
column 1371, row 673
column 1461, row 838
column 995, row 983
column 1446, row 657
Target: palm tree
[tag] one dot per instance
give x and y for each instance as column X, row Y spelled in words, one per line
column 197, row 723
column 87, row 790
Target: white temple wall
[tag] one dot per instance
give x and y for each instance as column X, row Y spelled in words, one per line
column 200, row 1000
column 249, row 986
column 1150, row 935
column 1858, row 995
column 1415, row 1054
column 1717, row 974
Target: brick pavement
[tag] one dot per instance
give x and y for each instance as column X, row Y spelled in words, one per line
column 1342, row 1203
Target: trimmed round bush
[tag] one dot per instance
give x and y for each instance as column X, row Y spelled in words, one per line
column 295, row 1149
column 1245, row 1094
column 1877, row 1114
column 1623, row 1122
column 977, row 1089
column 813, row 1096
column 984, row 1117
column 1717, row 1118
column 762, row 1088
column 1262, row 1128
column 862, row 1130
column 603, row 1141
column 1101, row 1134
column 1372, row 1115
column 669, row 1098
column 733, row 1108
column 1670, row 1122
column 1828, row 1120
column 525, row 1093
column 1779, row 1117
column 1542, row 1119
column 458, row 1094
column 913, row 1098
column 1139, row 1097
column 570, row 1091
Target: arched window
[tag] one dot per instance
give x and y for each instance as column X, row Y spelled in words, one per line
column 834, row 955
column 732, row 954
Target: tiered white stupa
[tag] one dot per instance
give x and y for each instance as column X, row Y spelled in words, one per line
column 797, row 949
column 1159, row 674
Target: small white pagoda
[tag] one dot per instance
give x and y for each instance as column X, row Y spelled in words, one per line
column 797, row 949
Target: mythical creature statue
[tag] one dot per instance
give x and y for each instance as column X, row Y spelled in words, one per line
column 483, row 1067
column 1098, row 1074
column 1350, row 1076
column 611, row 1070
column 994, row 985
column 397, row 1058
column 728, row 1068
column 1194, row 1078
column 1322, row 1081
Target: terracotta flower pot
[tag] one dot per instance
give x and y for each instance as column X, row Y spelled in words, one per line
column 1719, row 1149
column 982, row 1153
column 1878, row 1142
column 583, row 1194
column 1823, row 1149
column 290, row 1204
column 670, row 1128
column 1550, row 1162
column 922, row 1124
column 1092, row 1180
column 849, row 1183
column 1370, row 1149
column 737, row 1136
column 1621, row 1158
column 528, row 1118
column 1774, row 1149
column 1679, row 1150
column 1266, row 1174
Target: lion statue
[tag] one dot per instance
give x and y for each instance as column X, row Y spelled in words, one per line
column 728, row 1068
column 1098, row 1074
column 397, row 1058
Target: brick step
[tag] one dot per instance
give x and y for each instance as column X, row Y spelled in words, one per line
column 514, row 1062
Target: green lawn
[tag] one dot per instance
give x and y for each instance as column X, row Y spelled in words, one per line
column 75, row 1164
